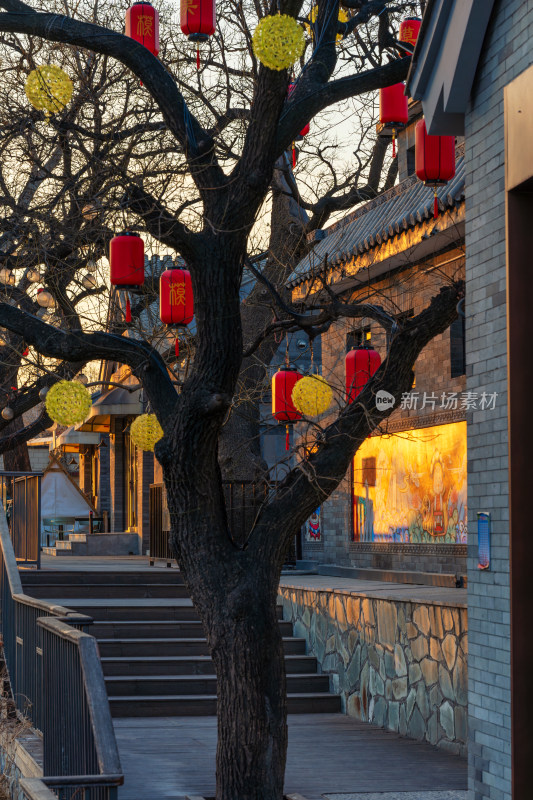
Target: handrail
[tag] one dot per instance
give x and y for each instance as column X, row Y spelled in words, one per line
column 20, row 624
column 35, row 789
column 102, row 725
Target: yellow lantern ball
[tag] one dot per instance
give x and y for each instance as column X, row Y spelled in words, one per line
column 146, row 431
column 68, row 402
column 278, row 41
column 312, row 395
column 49, row 88
column 343, row 17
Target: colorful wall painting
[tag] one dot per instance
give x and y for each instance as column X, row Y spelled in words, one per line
column 313, row 532
column 410, row 487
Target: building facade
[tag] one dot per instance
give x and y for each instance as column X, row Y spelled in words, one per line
column 402, row 506
column 472, row 71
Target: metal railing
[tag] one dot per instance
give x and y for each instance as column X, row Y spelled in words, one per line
column 243, row 499
column 159, row 523
column 57, row 683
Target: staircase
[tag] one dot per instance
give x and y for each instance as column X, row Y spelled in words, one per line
column 153, row 647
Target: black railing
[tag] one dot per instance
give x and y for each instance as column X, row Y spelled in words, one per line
column 159, row 524
column 20, row 493
column 243, row 501
column 57, row 683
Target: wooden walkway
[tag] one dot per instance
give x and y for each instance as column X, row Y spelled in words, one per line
column 171, row 757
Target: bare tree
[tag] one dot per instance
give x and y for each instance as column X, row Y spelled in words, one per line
column 227, row 155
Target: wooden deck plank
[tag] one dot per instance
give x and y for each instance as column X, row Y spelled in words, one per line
column 331, row 753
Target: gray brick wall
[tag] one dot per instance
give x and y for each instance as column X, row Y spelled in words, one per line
column 412, row 289
column 507, row 52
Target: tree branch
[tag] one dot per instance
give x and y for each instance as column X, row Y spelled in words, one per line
column 145, row 362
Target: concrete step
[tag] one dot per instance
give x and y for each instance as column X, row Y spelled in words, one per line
column 175, row 647
column 198, row 685
column 188, row 665
column 181, row 609
column 56, row 552
column 205, row 705
column 139, row 610
column 168, row 629
column 115, row 577
column 101, row 590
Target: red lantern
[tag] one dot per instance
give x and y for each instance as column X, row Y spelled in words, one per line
column 126, row 257
column 283, row 409
column 393, row 110
column 198, row 19
column 307, row 128
column 361, row 363
column 409, row 30
column 434, row 159
column 142, row 24
column 176, row 306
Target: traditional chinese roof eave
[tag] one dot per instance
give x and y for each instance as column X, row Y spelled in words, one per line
column 410, row 247
column 394, row 226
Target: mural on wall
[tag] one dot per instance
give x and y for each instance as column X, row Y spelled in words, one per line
column 313, row 532
column 411, row 487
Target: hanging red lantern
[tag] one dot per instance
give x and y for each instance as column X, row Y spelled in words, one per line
column 393, row 110
column 283, row 409
column 142, row 24
column 434, row 159
column 198, row 21
column 360, row 365
column 307, row 128
column 126, row 257
column 176, row 304
column 409, row 29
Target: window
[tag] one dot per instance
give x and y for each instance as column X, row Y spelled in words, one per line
column 358, row 338
column 369, row 471
column 457, row 347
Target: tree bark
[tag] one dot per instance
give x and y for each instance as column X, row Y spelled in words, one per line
column 16, row 459
column 247, row 650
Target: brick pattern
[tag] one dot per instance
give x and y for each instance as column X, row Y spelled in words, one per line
column 409, row 290
column 506, row 53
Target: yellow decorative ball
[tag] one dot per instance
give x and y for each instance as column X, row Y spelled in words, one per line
column 49, row 88
column 68, row 402
column 278, row 41
column 343, row 17
column 146, row 431
column 312, row 395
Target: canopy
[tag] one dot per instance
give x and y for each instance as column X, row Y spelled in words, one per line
column 60, row 496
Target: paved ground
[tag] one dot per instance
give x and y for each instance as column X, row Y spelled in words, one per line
column 329, row 755
column 400, row 796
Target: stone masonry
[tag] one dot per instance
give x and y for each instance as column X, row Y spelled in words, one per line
column 399, row 665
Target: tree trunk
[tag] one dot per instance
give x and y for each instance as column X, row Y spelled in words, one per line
column 16, row 459
column 247, row 651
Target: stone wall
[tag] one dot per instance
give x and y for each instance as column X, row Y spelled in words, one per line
column 400, row 665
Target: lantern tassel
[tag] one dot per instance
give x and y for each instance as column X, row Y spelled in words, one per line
column 394, row 143
column 435, row 205
column 293, row 156
column 128, row 308
column 198, row 59
column 177, row 347
column 287, row 437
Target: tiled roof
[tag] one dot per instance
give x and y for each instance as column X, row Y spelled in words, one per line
column 397, row 210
